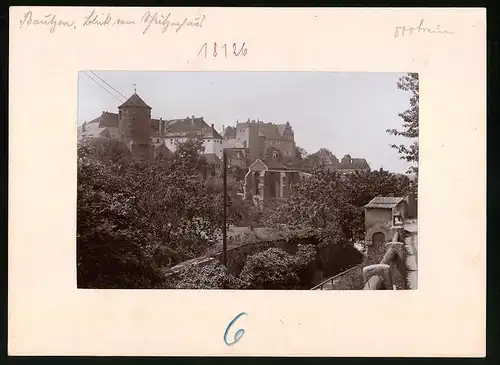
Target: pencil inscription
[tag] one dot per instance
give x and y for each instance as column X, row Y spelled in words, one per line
column 409, row 30
column 106, row 19
column 167, row 21
column 48, row 20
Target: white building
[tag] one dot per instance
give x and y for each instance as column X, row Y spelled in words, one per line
column 179, row 130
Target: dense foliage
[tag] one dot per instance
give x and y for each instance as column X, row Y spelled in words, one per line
column 276, row 269
column 410, row 126
column 135, row 217
column 330, row 204
column 211, row 276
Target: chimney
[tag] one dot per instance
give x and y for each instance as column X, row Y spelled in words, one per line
column 84, row 126
column 223, row 127
column 160, row 126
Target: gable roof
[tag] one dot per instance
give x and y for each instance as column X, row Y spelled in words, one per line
column 324, row 156
column 257, row 165
column 191, row 127
column 135, row 101
column 273, row 164
column 384, row 202
column 355, row 163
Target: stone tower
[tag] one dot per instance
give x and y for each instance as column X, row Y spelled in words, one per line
column 134, row 126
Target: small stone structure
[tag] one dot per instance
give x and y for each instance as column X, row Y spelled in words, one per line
column 384, row 213
column 269, row 179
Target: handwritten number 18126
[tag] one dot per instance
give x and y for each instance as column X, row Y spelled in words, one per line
column 217, row 50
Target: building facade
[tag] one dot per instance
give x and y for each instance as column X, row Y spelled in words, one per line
column 259, row 137
column 143, row 134
column 269, row 179
column 385, row 213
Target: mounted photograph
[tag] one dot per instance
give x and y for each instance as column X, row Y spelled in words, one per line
column 247, row 180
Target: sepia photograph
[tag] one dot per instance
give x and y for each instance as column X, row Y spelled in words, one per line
column 247, row 180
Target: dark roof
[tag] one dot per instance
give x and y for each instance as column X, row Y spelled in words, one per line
column 212, row 158
column 384, row 202
column 348, row 163
column 237, row 153
column 135, row 100
column 229, row 132
column 324, row 156
column 192, row 127
column 106, row 119
column 266, row 130
column 273, row 164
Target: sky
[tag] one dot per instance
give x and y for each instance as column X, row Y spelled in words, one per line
column 347, row 113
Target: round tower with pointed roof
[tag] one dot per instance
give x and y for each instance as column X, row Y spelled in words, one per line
column 134, row 125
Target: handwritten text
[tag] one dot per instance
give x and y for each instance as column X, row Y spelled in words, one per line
column 407, row 30
column 166, row 21
column 218, row 50
column 104, row 20
column 96, row 19
column 238, row 334
column 49, row 20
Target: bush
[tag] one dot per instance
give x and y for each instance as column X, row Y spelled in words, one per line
column 276, row 269
column 211, row 276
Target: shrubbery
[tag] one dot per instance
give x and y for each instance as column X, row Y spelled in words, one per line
column 135, row 217
column 276, row 269
column 212, row 276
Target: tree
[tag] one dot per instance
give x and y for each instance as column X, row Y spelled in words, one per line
column 313, row 208
column 114, row 249
column 330, row 205
column 134, row 215
column 410, row 127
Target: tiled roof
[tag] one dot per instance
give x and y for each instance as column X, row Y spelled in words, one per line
column 384, row 202
column 191, row 127
column 135, row 100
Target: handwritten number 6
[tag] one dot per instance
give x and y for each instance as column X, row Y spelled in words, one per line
column 215, row 49
column 238, row 334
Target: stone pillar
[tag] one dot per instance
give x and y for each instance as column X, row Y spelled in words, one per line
column 411, row 265
column 399, row 261
column 262, row 186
